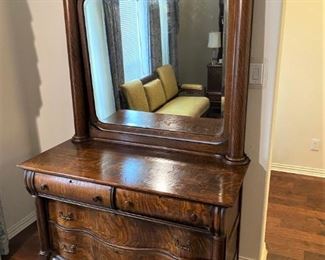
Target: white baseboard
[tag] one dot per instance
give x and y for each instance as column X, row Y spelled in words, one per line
column 264, row 252
column 21, row 224
column 308, row 171
column 245, row 258
column 263, row 255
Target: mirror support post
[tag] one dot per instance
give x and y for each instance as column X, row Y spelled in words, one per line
column 239, row 56
column 76, row 76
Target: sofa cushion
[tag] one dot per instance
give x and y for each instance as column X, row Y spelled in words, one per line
column 186, row 106
column 134, row 93
column 167, row 76
column 155, row 94
column 192, row 87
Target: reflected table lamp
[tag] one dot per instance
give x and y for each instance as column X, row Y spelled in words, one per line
column 214, row 44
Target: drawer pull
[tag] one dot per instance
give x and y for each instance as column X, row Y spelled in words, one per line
column 183, row 246
column 193, row 217
column 128, row 204
column 70, row 249
column 44, row 187
column 97, row 199
column 67, row 217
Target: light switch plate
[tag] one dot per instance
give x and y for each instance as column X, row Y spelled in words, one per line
column 315, row 144
column 256, row 74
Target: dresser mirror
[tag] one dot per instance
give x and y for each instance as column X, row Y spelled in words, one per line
column 159, row 72
column 156, row 56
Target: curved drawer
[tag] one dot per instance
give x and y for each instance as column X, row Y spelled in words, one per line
column 76, row 245
column 192, row 213
column 132, row 234
column 71, row 189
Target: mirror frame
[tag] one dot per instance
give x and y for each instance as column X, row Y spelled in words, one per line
column 229, row 144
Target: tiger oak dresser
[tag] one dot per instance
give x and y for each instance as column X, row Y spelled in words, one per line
column 101, row 201
column 141, row 185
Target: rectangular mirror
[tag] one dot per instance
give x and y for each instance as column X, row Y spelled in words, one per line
column 163, row 58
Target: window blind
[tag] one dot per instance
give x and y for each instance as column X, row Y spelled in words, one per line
column 135, row 38
column 163, row 7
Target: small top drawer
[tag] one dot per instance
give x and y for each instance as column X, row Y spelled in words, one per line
column 192, row 213
column 71, row 189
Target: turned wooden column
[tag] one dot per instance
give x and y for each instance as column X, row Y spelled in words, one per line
column 78, row 90
column 236, row 84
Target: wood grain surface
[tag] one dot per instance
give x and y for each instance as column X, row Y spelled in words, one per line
column 122, row 232
column 195, row 178
column 296, row 217
column 173, row 123
column 177, row 210
column 82, row 191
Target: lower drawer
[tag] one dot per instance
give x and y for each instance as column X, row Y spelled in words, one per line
column 76, row 245
column 113, row 233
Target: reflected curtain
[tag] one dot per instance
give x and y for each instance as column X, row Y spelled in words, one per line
column 3, row 235
column 114, row 43
column 173, row 28
column 155, row 34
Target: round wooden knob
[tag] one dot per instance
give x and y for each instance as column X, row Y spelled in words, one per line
column 193, row 217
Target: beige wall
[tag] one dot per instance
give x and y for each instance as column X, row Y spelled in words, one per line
column 323, row 73
column 197, row 19
column 300, row 108
column 256, row 180
column 35, row 100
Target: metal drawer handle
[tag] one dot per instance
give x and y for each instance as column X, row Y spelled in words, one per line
column 70, row 249
column 183, row 246
column 67, row 217
column 44, row 187
column 128, row 204
column 193, row 217
column 98, row 199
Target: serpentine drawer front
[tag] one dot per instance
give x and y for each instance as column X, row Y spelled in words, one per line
column 90, row 211
column 192, row 213
column 80, row 237
column 71, row 189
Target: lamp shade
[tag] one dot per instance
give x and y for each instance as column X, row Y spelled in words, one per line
column 214, row 40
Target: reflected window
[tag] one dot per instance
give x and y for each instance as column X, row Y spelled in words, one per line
column 163, row 6
column 135, row 38
column 99, row 59
column 136, row 41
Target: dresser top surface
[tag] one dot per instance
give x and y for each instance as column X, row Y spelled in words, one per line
column 186, row 176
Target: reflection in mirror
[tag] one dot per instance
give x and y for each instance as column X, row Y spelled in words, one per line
column 156, row 56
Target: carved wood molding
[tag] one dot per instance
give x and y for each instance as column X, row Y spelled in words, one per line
column 29, row 182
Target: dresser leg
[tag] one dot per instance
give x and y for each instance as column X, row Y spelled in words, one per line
column 219, row 248
column 42, row 228
column 238, row 228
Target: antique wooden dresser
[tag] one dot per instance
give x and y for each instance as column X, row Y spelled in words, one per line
column 169, row 190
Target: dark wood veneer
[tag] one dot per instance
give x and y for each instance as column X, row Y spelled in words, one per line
column 236, row 76
column 79, row 96
column 198, row 178
column 187, row 198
